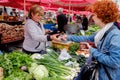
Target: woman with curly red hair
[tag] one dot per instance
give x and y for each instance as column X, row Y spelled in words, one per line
column 107, row 40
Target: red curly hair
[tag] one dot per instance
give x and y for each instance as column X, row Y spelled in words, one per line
column 106, row 10
column 119, row 17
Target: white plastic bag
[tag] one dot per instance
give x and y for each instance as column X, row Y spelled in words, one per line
column 82, row 32
column 64, row 55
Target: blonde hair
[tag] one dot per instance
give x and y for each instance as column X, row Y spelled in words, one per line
column 35, row 9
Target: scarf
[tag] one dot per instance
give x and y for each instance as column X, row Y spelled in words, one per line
column 101, row 33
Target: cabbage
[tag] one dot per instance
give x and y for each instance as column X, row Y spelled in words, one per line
column 38, row 71
column 33, row 66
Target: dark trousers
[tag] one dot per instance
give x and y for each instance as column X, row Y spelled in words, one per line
column 30, row 52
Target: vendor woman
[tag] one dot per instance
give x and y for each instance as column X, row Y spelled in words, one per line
column 35, row 35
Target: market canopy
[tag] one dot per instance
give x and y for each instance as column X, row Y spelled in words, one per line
column 69, row 6
column 76, row 5
column 73, row 4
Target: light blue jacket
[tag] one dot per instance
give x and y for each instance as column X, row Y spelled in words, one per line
column 108, row 55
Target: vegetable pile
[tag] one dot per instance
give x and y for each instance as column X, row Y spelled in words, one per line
column 79, row 58
column 73, row 48
column 38, row 71
column 11, row 33
column 56, row 68
column 92, row 29
column 12, row 63
column 20, row 66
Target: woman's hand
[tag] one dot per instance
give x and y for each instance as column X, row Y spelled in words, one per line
column 55, row 37
column 63, row 37
column 85, row 46
column 58, row 37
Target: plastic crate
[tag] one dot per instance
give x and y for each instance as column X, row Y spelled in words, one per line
column 49, row 26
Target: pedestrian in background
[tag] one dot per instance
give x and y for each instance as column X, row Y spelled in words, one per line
column 85, row 22
column 61, row 20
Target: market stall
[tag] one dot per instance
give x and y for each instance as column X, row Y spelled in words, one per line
column 66, row 56
column 10, row 35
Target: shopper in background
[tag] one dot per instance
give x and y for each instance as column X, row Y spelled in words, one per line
column 13, row 12
column 79, row 23
column 85, row 23
column 107, row 40
column 34, row 32
column 74, row 18
column 61, row 20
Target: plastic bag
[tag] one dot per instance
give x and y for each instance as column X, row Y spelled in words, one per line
column 64, row 55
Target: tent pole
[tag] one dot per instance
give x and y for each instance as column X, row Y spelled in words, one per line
column 25, row 10
column 69, row 10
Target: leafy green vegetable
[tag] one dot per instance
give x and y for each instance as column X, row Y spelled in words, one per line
column 13, row 61
column 81, row 60
column 73, row 48
column 92, row 29
column 55, row 67
column 19, row 75
column 53, row 78
column 38, row 72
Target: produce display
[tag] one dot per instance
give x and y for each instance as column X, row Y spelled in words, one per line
column 56, row 68
column 11, row 33
column 20, row 66
column 73, row 49
column 12, row 18
column 12, row 63
column 92, row 29
column 81, row 51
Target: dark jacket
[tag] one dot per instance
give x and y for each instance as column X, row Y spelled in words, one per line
column 62, row 21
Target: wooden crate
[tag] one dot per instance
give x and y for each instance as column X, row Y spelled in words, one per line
column 62, row 45
column 1, row 18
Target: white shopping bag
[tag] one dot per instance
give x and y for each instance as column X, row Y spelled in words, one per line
column 64, row 55
column 82, row 32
